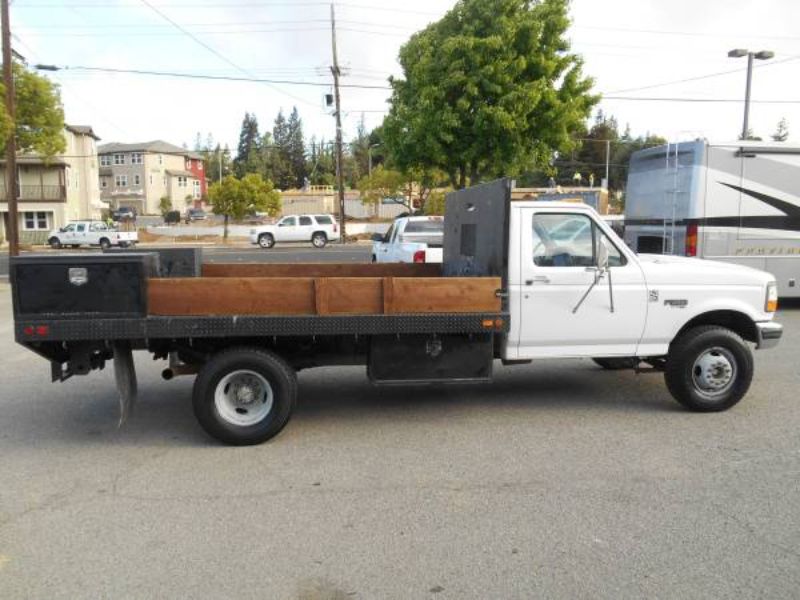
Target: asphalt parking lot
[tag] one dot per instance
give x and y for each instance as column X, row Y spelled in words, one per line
column 559, row 481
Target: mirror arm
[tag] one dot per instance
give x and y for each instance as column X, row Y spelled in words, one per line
column 587, row 292
column 610, row 290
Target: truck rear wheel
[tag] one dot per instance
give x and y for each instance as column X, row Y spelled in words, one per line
column 709, row 368
column 319, row 239
column 244, row 396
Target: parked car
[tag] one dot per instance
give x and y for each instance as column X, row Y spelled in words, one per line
column 317, row 229
column 410, row 240
column 124, row 213
column 195, row 214
column 91, row 233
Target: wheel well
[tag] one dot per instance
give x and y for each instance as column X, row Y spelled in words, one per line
column 265, row 233
column 321, row 232
column 736, row 321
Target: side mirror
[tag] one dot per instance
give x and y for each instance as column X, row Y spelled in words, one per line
column 377, row 237
column 62, row 229
column 602, row 255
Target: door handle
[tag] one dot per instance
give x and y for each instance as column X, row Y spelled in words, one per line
column 537, row 279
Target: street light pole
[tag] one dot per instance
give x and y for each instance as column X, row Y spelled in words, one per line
column 761, row 55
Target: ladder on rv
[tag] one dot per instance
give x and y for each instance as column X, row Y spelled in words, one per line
column 671, row 191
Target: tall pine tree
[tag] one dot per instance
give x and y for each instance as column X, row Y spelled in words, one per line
column 248, row 152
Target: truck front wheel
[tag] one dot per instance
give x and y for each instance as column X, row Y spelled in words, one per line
column 709, row 368
column 54, row 242
column 105, row 244
column 244, row 396
column 266, row 241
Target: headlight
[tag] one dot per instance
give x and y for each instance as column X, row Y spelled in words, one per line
column 771, row 304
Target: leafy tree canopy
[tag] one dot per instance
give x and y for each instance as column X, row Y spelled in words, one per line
column 489, row 90
column 40, row 115
column 235, row 198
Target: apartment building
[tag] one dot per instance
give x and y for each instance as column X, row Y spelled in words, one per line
column 138, row 175
column 52, row 192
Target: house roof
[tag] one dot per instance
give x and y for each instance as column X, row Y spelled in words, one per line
column 82, row 130
column 31, row 159
column 155, row 146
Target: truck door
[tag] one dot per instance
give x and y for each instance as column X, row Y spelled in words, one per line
column 81, row 235
column 287, row 230
column 557, row 266
column 305, row 229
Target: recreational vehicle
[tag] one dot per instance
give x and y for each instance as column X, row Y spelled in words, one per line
column 734, row 202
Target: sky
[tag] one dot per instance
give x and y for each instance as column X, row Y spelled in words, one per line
column 633, row 49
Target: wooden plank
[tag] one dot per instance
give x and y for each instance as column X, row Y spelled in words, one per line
column 321, row 270
column 231, row 296
column 355, row 295
column 388, row 295
column 321, row 295
column 445, row 294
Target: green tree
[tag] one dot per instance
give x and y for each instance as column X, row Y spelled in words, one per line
column 490, row 89
column 234, row 198
column 164, row 205
column 782, row 132
column 39, row 124
column 384, row 183
column 296, row 149
column 248, row 153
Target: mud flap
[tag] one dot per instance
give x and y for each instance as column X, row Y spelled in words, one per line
column 125, row 377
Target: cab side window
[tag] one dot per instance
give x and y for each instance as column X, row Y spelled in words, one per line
column 570, row 240
column 288, row 222
column 80, row 228
column 305, row 221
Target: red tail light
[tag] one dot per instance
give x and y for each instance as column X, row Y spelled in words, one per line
column 335, row 228
column 691, row 239
column 419, row 256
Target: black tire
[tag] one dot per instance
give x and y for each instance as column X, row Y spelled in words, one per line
column 105, row 244
column 266, row 241
column 319, row 239
column 54, row 242
column 374, row 258
column 282, row 385
column 728, row 358
column 617, row 363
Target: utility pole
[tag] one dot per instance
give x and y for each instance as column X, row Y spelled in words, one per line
column 11, row 142
column 339, row 166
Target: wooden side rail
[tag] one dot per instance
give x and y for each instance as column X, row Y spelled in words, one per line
column 322, row 270
column 210, row 296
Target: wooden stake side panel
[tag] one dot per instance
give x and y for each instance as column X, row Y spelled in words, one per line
column 216, row 296
column 322, row 270
column 445, row 295
column 213, row 296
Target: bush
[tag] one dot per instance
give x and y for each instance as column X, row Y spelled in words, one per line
column 164, row 206
column 172, row 217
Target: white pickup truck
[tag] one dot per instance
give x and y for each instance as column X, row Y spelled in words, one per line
column 91, row 233
column 410, row 240
column 520, row 281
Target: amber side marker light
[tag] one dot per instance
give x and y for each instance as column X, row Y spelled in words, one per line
column 772, row 297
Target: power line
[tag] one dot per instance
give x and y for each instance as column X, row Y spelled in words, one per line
column 701, row 100
column 703, row 34
column 701, row 77
column 216, row 53
column 208, row 77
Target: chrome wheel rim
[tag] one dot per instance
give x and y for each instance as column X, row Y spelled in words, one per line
column 714, row 372
column 243, row 398
column 318, row 241
column 264, row 241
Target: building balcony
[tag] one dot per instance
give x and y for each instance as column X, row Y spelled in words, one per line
column 37, row 193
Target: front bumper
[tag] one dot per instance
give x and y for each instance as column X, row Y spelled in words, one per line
column 768, row 334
